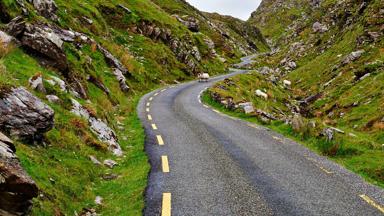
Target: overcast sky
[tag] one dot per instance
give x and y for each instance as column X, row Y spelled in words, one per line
column 237, row 8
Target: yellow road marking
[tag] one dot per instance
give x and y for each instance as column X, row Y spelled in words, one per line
column 149, row 117
column 324, row 170
column 166, row 205
column 147, row 109
column 216, row 111
column 154, row 127
column 254, row 126
column 318, row 165
column 163, row 90
column 151, row 98
column 148, row 104
column 205, row 106
column 164, row 162
column 160, row 140
column 372, row 203
column 156, row 93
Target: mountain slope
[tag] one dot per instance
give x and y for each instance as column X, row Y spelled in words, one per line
column 82, row 66
column 324, row 77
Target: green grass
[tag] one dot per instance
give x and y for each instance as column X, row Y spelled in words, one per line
column 352, row 153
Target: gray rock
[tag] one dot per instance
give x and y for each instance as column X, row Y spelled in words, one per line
column 249, row 109
column 127, row 10
column 352, row 57
column 292, row 65
column 46, row 8
column 190, row 22
column 109, row 163
column 36, row 83
column 106, row 134
column 101, row 129
column 16, row 188
column 16, row 26
column 328, row 133
column 5, row 38
column 265, row 70
column 119, row 69
column 298, row 123
column 43, row 40
column 94, row 160
column 24, row 115
column 98, row 200
column 318, row 27
column 57, row 81
column 53, row 99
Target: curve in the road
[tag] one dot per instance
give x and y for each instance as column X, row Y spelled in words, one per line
column 206, row 163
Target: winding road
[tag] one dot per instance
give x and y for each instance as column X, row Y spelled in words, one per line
column 207, row 163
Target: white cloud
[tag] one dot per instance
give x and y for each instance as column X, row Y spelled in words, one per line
column 238, row 8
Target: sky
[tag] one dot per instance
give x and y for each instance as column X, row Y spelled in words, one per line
column 241, row 9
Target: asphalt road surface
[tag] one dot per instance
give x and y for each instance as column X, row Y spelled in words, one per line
column 206, row 163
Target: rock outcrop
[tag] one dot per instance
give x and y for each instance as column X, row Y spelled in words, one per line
column 182, row 48
column 16, row 188
column 190, row 22
column 24, row 115
column 41, row 39
column 46, row 8
column 100, row 128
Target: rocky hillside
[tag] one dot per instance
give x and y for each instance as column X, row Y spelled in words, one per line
column 71, row 73
column 322, row 82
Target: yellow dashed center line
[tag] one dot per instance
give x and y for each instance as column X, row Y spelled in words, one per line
column 147, row 109
column 151, row 98
column 166, row 205
column 165, row 164
column 156, row 93
column 154, row 127
column 325, row 170
column 318, row 165
column 160, row 140
column 148, row 104
column 149, row 117
column 372, row 203
column 254, row 126
column 163, row 90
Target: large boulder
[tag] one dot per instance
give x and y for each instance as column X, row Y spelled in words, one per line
column 40, row 39
column 16, row 188
column 46, row 8
column 24, row 115
column 43, row 40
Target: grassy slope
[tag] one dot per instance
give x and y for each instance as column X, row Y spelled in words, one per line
column 362, row 154
column 67, row 179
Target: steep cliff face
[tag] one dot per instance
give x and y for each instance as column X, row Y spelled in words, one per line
column 71, row 73
column 326, row 65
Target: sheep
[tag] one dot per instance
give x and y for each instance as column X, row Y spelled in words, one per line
column 203, row 77
column 261, row 94
column 287, row 83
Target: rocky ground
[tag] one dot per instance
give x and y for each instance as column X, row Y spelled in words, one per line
column 322, row 82
column 71, row 73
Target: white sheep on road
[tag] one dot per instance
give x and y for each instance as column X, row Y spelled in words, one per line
column 261, row 94
column 203, row 77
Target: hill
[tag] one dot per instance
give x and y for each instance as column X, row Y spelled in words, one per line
column 323, row 79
